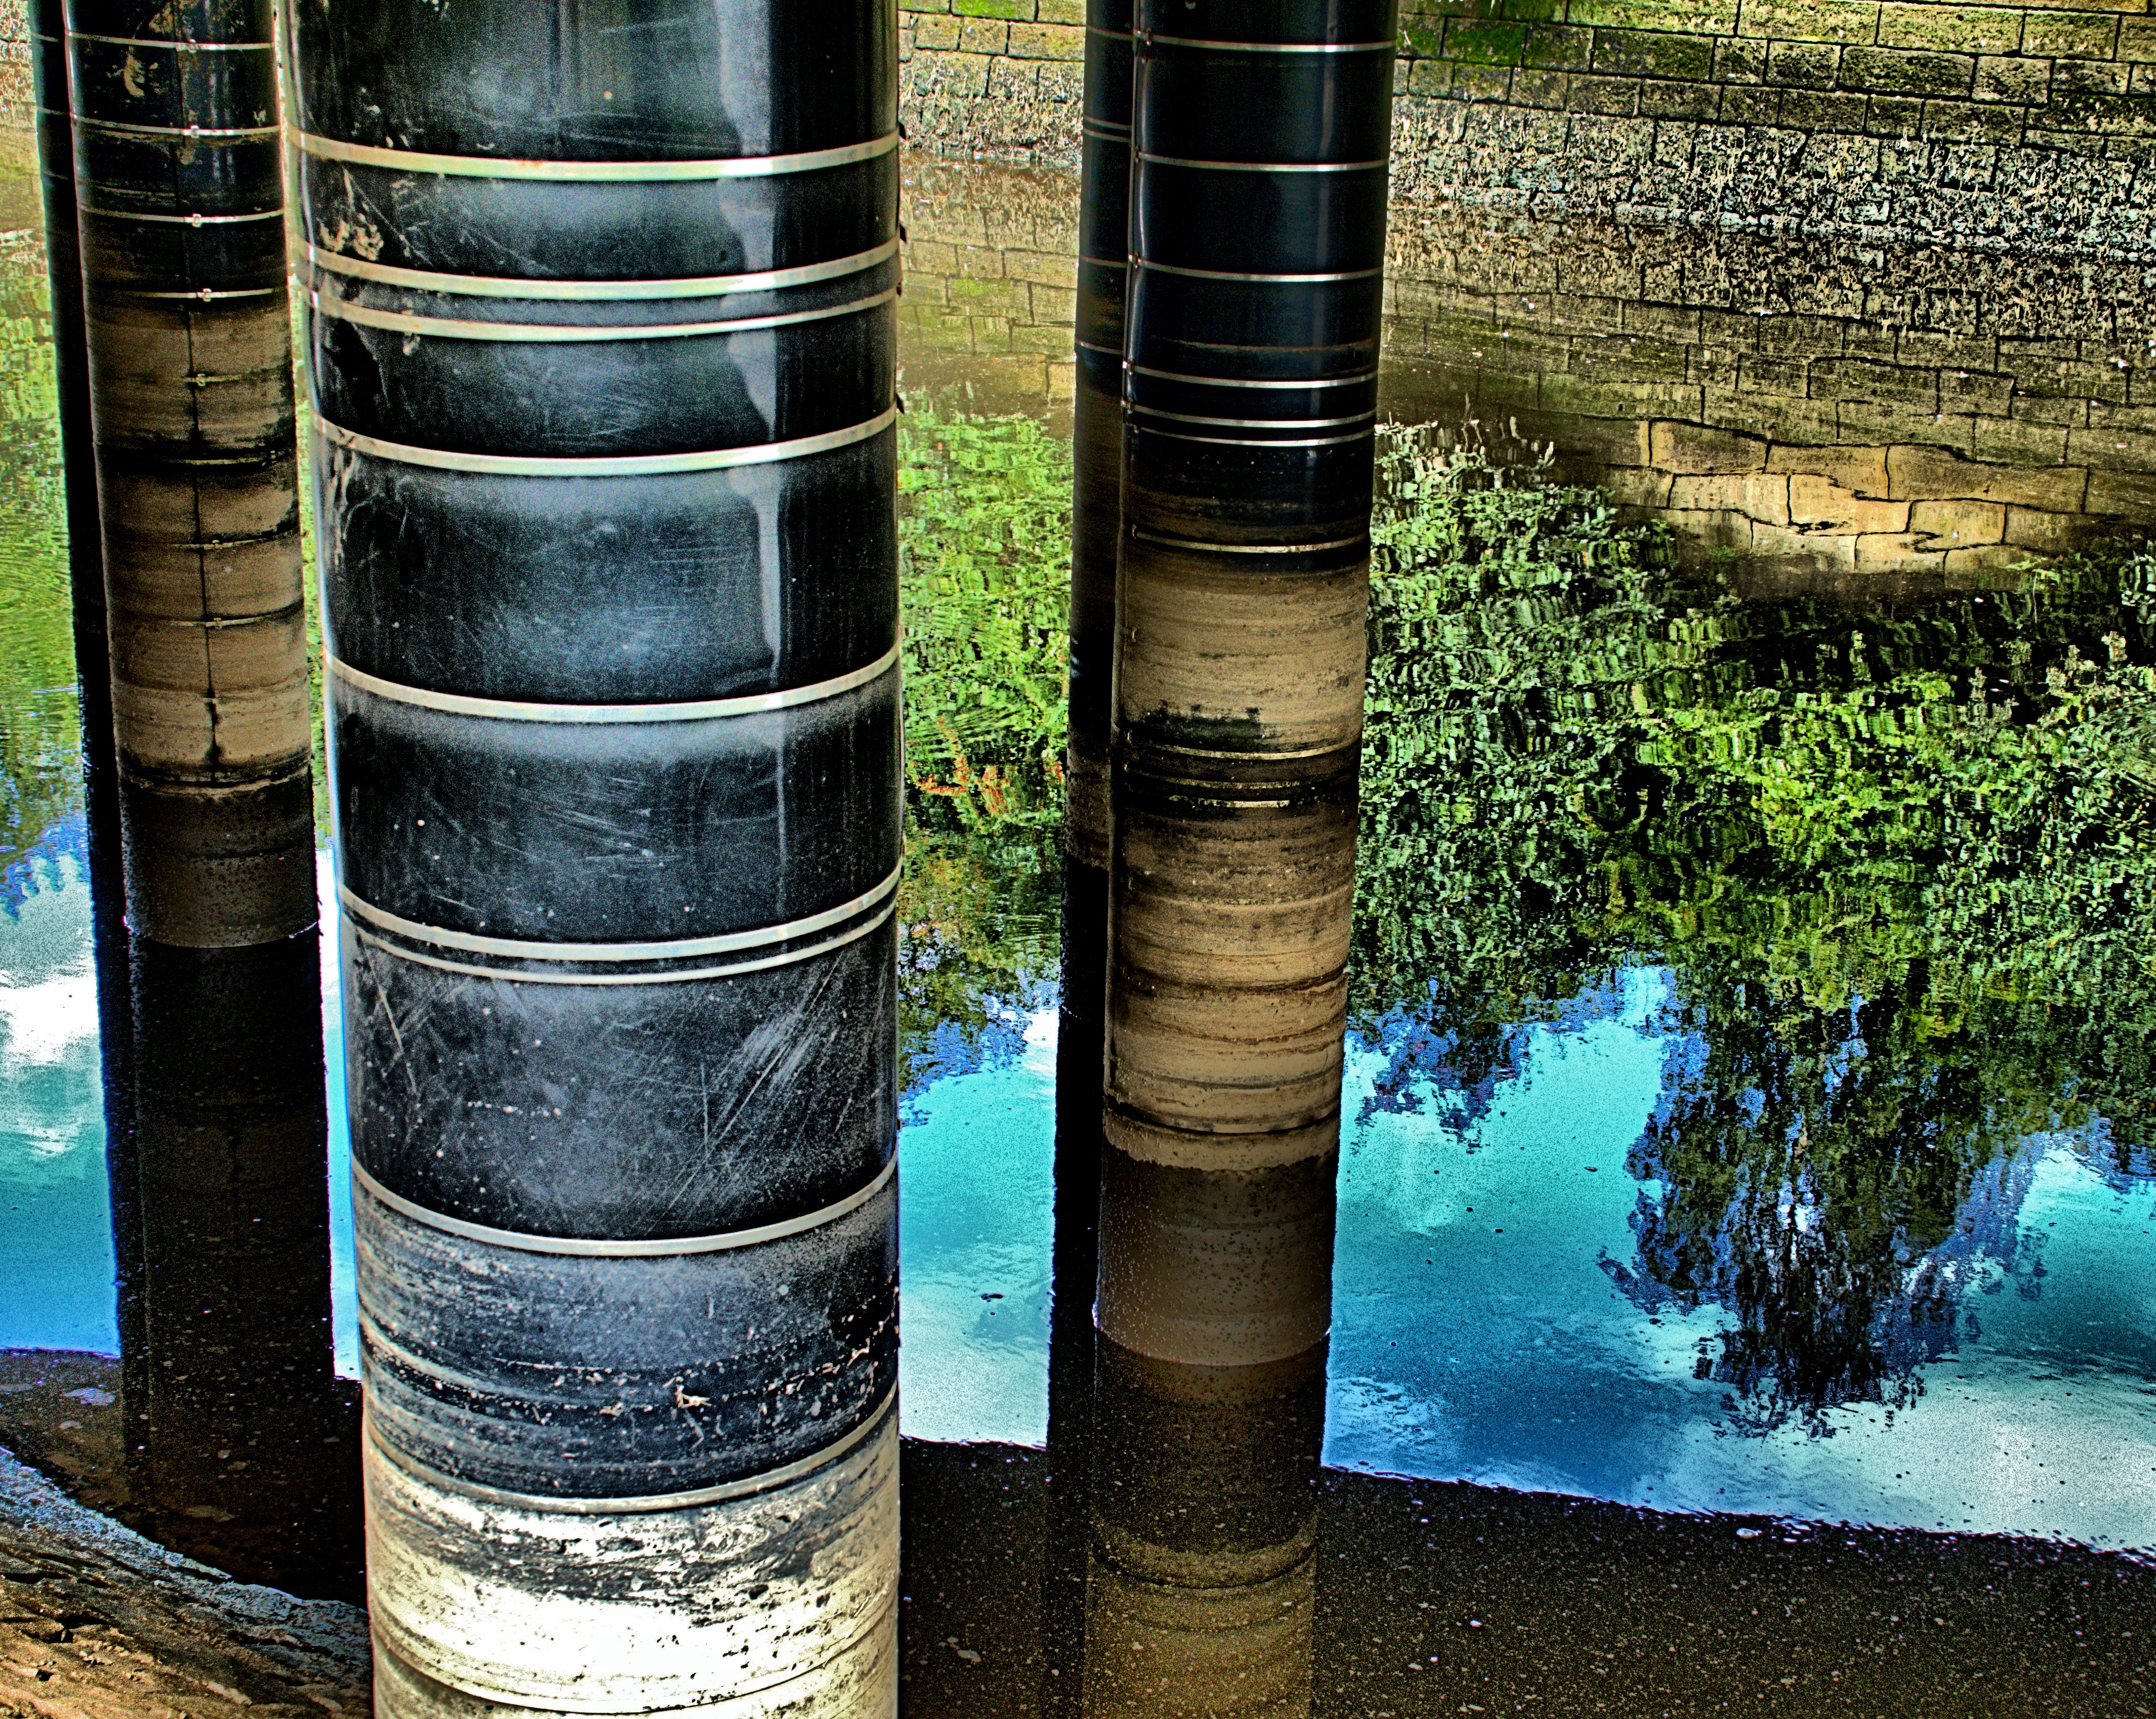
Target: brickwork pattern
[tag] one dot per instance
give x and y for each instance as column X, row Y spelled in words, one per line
column 991, row 282
column 2029, row 127
column 2078, row 74
column 1001, row 79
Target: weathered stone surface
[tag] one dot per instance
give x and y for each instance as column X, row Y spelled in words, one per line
column 97, row 1623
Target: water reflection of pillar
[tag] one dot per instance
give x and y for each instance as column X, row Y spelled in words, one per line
column 603, row 297
column 238, row 1448
column 1257, row 227
column 187, row 332
column 1096, row 429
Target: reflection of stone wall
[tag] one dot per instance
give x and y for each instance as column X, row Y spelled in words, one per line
column 990, row 283
column 2032, row 126
column 19, row 117
column 1839, row 407
column 1856, row 408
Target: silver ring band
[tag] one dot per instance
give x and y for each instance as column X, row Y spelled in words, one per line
column 482, row 166
column 1272, row 47
column 1140, row 409
column 190, row 220
column 179, row 44
column 573, row 334
column 1263, row 166
column 1253, row 441
column 696, row 710
column 214, row 135
column 539, row 1503
column 516, row 949
column 1139, row 262
column 1355, row 381
column 598, row 291
column 659, row 1248
column 603, row 464
column 671, row 975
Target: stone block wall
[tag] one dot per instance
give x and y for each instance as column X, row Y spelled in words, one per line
column 1000, row 79
column 2028, row 126
column 1847, row 409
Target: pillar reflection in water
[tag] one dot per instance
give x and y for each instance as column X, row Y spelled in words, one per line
column 603, row 350
column 240, row 1447
column 1259, row 138
column 180, row 207
column 174, row 348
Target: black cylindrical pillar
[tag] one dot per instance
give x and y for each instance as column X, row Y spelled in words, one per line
column 1097, row 430
column 1257, row 240
column 603, row 352
column 181, row 219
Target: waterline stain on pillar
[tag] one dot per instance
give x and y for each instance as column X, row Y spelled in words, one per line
column 601, row 339
column 181, row 211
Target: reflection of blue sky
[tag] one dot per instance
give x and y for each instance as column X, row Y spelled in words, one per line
column 1512, row 1359
column 55, row 1208
column 1478, row 1332
column 976, row 1162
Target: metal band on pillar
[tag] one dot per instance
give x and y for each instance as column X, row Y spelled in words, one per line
column 604, row 364
column 181, row 213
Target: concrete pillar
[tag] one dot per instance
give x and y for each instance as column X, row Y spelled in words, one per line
column 188, row 340
column 1257, row 236
column 1203, row 1582
column 602, row 341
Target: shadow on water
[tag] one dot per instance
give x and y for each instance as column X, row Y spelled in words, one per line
column 1747, row 1121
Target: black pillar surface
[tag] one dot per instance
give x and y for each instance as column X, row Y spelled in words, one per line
column 48, row 23
column 603, row 351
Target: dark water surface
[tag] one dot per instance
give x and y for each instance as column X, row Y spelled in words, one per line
column 1745, row 1284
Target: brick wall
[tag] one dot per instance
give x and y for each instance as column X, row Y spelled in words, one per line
column 2029, row 127
column 2079, row 74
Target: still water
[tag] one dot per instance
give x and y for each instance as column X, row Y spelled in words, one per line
column 1748, row 1105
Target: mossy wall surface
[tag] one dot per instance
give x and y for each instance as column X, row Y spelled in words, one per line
column 2029, row 127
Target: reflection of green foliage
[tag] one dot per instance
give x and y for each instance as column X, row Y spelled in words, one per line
column 985, row 519
column 1901, row 864
column 985, row 533
column 977, row 937
column 40, row 745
